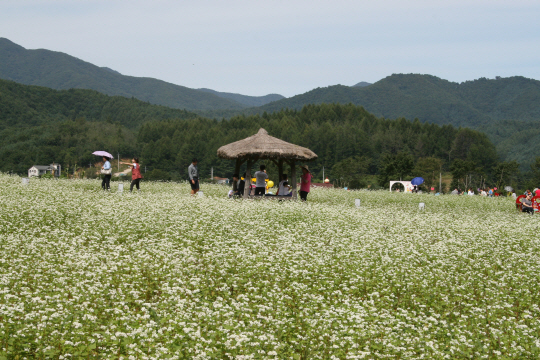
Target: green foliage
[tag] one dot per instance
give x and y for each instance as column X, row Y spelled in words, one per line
column 395, row 166
column 22, row 105
column 350, row 172
column 431, row 99
column 506, row 173
column 462, row 172
column 506, row 109
column 429, row 168
column 157, row 175
column 41, row 126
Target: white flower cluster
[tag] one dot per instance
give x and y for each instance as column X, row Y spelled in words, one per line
column 160, row 274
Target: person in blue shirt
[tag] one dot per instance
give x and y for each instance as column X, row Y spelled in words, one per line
column 106, row 169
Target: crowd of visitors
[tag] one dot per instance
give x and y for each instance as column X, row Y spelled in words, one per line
column 491, row 192
column 260, row 188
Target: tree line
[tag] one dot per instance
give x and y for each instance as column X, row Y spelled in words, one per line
column 354, row 147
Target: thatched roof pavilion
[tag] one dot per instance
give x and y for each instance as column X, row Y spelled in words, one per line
column 263, row 146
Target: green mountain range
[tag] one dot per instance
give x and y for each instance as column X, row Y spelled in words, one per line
column 61, row 71
column 39, row 125
column 506, row 109
column 431, row 99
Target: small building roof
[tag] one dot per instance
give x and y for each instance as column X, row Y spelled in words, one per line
column 42, row 167
column 262, row 145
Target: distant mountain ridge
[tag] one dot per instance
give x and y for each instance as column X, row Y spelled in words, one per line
column 250, row 101
column 61, row 71
column 362, row 84
column 431, row 99
column 506, row 109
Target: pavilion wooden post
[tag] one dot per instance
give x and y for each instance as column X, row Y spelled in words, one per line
column 237, row 166
column 280, row 170
column 293, row 179
column 247, row 180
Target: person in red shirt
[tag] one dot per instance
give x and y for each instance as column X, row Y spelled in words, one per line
column 135, row 173
column 305, row 183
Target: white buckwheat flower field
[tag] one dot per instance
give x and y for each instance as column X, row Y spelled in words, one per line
column 160, row 274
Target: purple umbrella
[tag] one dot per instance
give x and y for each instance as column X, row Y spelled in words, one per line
column 417, row 181
column 103, row 153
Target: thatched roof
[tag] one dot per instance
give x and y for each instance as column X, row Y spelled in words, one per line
column 264, row 146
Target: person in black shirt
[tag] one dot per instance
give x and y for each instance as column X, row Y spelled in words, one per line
column 240, row 187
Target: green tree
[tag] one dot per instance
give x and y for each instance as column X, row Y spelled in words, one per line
column 428, row 168
column 349, row 172
column 462, row 171
column 506, row 173
column 396, row 166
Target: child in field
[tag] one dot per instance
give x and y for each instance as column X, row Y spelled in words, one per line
column 283, row 188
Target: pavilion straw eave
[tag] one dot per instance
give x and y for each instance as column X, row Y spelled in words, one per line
column 264, row 146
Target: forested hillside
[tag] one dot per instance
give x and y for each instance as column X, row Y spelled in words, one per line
column 61, row 71
column 507, row 109
column 431, row 99
column 349, row 141
column 40, row 125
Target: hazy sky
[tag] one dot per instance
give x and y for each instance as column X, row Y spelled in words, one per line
column 286, row 47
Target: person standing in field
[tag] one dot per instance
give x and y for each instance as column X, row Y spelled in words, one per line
column 305, row 183
column 106, row 170
column 135, row 173
column 240, row 186
column 193, row 173
column 260, row 184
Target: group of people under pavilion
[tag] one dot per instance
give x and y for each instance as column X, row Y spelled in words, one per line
column 262, row 146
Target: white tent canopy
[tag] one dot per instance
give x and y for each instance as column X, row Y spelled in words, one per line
column 406, row 184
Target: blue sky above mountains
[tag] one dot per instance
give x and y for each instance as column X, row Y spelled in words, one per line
column 285, row 47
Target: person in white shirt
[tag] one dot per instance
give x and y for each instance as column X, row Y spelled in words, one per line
column 260, row 184
column 283, row 188
column 470, row 192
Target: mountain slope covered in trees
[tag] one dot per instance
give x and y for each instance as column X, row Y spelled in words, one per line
column 431, row 99
column 40, row 125
column 61, row 71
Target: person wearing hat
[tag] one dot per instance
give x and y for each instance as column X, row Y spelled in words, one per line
column 305, row 182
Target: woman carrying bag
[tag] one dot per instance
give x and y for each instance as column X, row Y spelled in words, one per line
column 107, row 171
column 135, row 173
